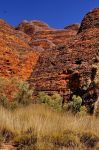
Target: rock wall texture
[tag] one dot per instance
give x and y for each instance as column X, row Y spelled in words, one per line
column 79, row 54
column 91, row 20
column 17, row 58
column 48, row 57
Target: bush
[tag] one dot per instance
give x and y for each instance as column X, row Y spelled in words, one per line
column 8, row 105
column 24, row 94
column 54, row 101
column 13, row 105
column 75, row 104
column 14, row 93
column 4, row 101
column 83, row 110
column 44, row 98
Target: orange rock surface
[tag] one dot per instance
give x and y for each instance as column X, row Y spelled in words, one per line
column 47, row 57
column 16, row 56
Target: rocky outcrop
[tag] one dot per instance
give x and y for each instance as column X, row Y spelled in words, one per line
column 42, row 32
column 43, row 43
column 57, row 36
column 91, row 20
column 29, row 27
column 50, row 59
column 15, row 53
column 73, row 27
column 55, row 67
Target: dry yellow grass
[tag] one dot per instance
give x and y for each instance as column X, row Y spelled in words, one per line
column 38, row 127
column 45, row 121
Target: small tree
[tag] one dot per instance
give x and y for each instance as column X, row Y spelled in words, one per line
column 14, row 92
column 24, row 94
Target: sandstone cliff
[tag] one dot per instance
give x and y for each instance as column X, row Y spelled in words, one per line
column 48, row 57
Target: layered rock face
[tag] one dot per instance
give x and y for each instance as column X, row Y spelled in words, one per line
column 17, row 58
column 91, row 20
column 79, row 54
column 48, row 57
column 40, row 32
column 54, row 68
column 24, row 44
column 73, row 27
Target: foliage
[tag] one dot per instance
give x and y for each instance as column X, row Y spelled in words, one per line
column 13, row 105
column 4, row 101
column 44, row 98
column 83, row 110
column 75, row 104
column 24, row 94
column 54, row 101
column 14, row 93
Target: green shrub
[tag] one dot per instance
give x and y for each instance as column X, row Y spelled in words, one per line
column 14, row 93
column 83, row 110
column 8, row 105
column 54, row 101
column 4, row 101
column 75, row 104
column 24, row 94
column 65, row 107
column 44, row 98
column 13, row 105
